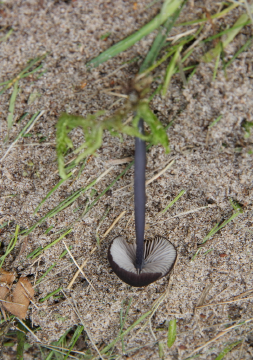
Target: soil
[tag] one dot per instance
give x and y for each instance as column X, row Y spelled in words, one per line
column 213, row 165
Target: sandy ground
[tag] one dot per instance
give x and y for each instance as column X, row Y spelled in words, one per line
column 213, row 166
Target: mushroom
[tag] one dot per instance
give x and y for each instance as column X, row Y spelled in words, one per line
column 144, row 262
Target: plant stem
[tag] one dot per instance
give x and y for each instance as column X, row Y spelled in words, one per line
column 139, row 195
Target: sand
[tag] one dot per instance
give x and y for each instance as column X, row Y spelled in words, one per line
column 213, row 165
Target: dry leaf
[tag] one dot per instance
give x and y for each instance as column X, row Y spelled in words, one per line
column 3, row 292
column 6, row 277
column 20, row 298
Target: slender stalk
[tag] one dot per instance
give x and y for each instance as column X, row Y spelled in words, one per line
column 139, row 195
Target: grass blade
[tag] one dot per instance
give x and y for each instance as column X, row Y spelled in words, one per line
column 227, row 349
column 215, row 16
column 51, row 244
column 21, row 337
column 231, row 33
column 6, row 36
column 52, row 266
column 51, row 192
column 23, row 131
column 127, row 331
column 244, row 47
column 161, row 39
column 170, row 70
column 161, row 350
column 215, row 121
column 169, row 7
column 50, row 294
column 10, row 247
column 12, row 106
column 74, row 339
column 108, row 187
column 172, row 202
column 123, row 321
column 172, row 332
column 215, row 229
column 28, row 67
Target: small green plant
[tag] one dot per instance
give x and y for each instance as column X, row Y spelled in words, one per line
column 172, row 332
column 247, row 125
column 93, row 130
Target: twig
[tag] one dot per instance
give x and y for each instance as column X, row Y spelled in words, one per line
column 11, row 302
column 155, row 306
column 94, row 249
column 62, row 348
column 190, row 212
column 152, row 179
column 204, row 295
column 113, row 224
column 115, row 94
column 151, row 330
column 30, row 331
column 179, row 36
column 223, row 302
column 224, row 332
column 83, row 323
column 81, row 271
column 119, row 161
column 244, row 293
column 112, row 73
column 37, row 144
column 160, row 173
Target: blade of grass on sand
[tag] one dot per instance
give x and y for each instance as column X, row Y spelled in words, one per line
column 170, row 70
column 52, row 266
column 12, row 106
column 21, row 336
column 161, row 350
column 28, row 67
column 65, row 203
column 170, row 52
column 89, row 207
column 215, row 121
column 171, row 203
column 215, row 229
column 160, row 39
column 227, row 349
column 168, row 8
column 6, row 36
column 127, row 331
column 3, row 225
column 61, row 342
column 216, row 66
column 32, row 72
column 74, row 339
column 51, row 192
column 25, row 130
column 123, row 321
column 243, row 48
column 220, row 334
column 215, row 16
column 172, row 332
column 50, row 294
column 10, row 246
column 231, row 33
column 51, row 244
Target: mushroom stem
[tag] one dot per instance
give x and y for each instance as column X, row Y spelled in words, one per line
column 139, row 196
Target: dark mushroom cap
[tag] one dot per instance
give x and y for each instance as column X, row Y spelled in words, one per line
column 159, row 259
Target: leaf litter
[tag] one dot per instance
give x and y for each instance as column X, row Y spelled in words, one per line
column 15, row 298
